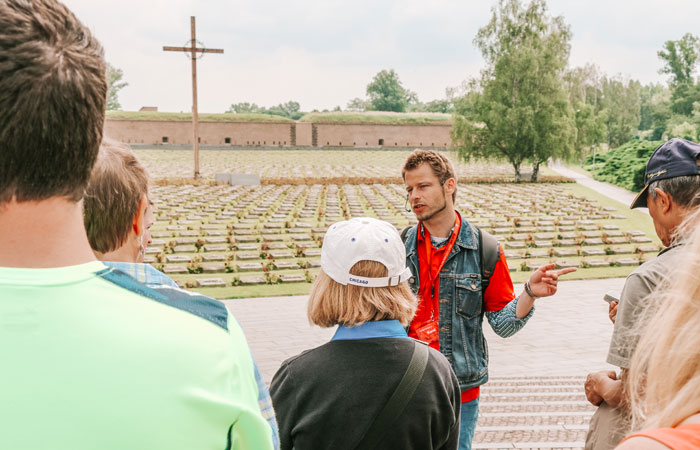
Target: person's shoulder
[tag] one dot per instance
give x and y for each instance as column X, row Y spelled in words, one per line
column 437, row 360
column 188, row 302
column 641, row 443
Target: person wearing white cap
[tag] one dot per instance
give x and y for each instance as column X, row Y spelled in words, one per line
column 371, row 386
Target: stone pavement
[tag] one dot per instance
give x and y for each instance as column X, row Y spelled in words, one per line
column 568, row 334
column 614, row 192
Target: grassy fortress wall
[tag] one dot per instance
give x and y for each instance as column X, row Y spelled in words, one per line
column 313, row 130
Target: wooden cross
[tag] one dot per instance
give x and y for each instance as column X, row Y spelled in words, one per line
column 193, row 50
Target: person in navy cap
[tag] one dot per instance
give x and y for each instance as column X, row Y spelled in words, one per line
column 671, row 191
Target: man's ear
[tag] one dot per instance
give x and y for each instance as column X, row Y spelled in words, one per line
column 137, row 223
column 450, row 186
column 664, row 200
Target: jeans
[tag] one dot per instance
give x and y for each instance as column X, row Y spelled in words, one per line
column 469, row 413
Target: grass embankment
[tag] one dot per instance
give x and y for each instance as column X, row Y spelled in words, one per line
column 185, row 117
column 381, row 118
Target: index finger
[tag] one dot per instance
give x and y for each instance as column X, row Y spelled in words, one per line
column 564, row 271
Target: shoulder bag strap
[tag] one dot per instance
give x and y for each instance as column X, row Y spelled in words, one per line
column 399, row 399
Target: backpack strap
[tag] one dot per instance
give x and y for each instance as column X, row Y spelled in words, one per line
column 404, row 232
column 489, row 254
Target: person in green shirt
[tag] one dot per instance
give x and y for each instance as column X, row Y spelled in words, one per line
column 90, row 357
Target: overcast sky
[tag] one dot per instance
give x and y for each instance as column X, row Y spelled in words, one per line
column 322, row 53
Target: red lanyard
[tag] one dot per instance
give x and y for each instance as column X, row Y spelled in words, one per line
column 429, row 253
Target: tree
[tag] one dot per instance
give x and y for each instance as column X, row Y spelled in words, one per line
column 584, row 87
column 621, row 100
column 655, row 110
column 519, row 108
column 243, row 108
column 680, row 58
column 115, row 84
column 289, row 109
column 357, row 104
column 386, row 93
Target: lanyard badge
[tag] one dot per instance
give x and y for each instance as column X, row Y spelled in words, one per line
column 428, row 332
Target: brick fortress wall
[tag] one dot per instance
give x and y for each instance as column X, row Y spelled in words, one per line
column 299, row 134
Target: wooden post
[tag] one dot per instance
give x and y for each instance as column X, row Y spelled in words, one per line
column 195, row 115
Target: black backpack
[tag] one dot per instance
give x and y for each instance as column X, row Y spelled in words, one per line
column 489, row 254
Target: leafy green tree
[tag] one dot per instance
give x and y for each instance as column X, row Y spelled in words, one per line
column 655, row 110
column 244, row 108
column 519, row 109
column 680, row 58
column 386, row 93
column 115, row 84
column 621, row 100
column 290, row 109
column 584, row 87
column 358, row 104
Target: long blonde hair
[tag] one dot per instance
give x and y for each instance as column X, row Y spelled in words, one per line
column 664, row 377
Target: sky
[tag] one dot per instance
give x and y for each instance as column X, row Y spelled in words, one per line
column 323, row 53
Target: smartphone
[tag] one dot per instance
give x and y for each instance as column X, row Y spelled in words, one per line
column 612, row 296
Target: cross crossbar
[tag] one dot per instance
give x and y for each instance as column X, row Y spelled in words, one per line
column 190, row 49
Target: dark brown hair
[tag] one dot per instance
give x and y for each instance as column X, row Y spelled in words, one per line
column 117, row 185
column 442, row 167
column 52, row 101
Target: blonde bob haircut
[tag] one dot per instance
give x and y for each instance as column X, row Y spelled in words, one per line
column 664, row 378
column 331, row 303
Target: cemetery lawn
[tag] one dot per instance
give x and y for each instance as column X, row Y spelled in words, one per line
column 634, row 219
column 258, row 290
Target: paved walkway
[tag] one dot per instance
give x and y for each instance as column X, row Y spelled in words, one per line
column 614, row 192
column 568, row 335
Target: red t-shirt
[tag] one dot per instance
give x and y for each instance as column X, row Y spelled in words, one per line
column 498, row 294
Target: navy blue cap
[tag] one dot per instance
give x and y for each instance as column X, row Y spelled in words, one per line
column 674, row 158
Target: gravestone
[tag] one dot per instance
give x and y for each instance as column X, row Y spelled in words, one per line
column 257, row 279
column 249, row 266
column 177, row 258
column 175, row 269
column 210, row 282
column 293, row 278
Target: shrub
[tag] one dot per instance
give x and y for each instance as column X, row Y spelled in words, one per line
column 623, row 166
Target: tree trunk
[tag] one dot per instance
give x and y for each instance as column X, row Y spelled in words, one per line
column 516, row 168
column 535, row 170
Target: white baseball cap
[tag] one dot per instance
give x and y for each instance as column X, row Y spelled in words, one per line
column 364, row 239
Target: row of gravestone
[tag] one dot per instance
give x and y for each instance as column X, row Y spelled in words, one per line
column 271, row 164
column 232, row 224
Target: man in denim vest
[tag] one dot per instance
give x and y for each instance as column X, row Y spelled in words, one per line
column 443, row 255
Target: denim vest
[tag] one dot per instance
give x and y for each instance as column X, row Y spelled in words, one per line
column 461, row 311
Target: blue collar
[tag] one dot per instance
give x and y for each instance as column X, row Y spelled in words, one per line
column 369, row 330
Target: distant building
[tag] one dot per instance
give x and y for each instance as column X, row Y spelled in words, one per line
column 149, row 108
column 333, row 130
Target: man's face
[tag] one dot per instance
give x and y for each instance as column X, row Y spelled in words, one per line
column 425, row 193
column 657, row 216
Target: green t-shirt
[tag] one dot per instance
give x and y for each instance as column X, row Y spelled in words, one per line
column 91, row 359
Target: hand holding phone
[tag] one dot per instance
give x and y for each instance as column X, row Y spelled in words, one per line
column 613, row 298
